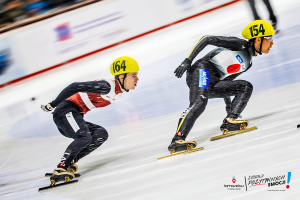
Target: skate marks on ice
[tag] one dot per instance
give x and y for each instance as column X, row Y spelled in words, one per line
column 91, row 168
column 98, row 164
column 57, row 185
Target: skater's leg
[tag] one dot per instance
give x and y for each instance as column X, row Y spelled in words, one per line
column 199, row 82
column 227, row 101
column 71, row 124
column 99, row 136
column 252, row 5
column 272, row 16
column 240, row 89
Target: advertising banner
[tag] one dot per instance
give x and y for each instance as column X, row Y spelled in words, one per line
column 70, row 35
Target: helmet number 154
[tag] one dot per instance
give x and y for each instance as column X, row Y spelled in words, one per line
column 117, row 66
column 255, row 31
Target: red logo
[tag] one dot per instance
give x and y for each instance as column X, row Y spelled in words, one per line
column 233, row 68
column 179, row 134
column 62, row 164
column 233, row 179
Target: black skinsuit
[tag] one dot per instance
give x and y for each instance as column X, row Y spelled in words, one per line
column 213, row 77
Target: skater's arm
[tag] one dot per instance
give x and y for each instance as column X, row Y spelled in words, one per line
column 232, row 43
column 100, row 87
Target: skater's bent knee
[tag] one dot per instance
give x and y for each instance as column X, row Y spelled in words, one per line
column 248, row 87
column 101, row 133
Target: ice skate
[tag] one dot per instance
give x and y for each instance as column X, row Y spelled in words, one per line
column 181, row 145
column 232, row 127
column 73, row 167
column 61, row 174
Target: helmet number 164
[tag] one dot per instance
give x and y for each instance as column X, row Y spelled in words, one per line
column 117, row 66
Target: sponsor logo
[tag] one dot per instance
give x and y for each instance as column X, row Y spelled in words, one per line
column 271, row 183
column 203, row 80
column 179, row 134
column 5, row 60
column 239, row 58
column 185, row 112
column 288, row 180
column 63, row 32
column 243, row 66
column 233, row 179
column 235, row 185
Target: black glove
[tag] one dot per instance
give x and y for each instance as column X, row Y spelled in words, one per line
column 182, row 68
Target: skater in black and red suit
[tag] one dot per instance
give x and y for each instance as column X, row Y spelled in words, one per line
column 79, row 98
column 213, row 77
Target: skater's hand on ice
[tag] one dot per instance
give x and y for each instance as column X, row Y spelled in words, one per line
column 47, row 108
column 182, row 68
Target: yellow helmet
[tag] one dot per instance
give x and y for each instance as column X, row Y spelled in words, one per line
column 123, row 65
column 258, row 28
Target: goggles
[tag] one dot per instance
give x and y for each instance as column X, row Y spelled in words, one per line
column 270, row 38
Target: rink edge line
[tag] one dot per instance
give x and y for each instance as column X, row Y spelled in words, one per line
column 23, row 78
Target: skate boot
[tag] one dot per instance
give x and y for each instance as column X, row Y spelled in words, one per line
column 181, row 145
column 230, row 124
column 61, row 174
column 73, row 167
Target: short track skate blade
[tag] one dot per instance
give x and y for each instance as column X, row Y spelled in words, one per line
column 50, row 174
column 233, row 133
column 183, row 152
column 56, row 185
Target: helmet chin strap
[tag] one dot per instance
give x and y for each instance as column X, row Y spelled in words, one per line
column 262, row 39
column 122, row 84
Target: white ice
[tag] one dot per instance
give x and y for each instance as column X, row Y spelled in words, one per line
column 142, row 123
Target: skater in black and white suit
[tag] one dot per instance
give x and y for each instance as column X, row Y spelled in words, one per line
column 213, row 77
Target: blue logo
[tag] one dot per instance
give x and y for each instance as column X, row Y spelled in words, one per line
column 243, row 66
column 238, row 57
column 203, row 79
column 63, row 32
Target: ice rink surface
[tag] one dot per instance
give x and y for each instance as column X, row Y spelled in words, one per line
column 142, row 123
